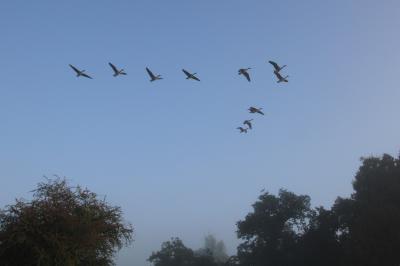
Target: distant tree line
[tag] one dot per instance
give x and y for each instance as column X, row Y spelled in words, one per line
column 71, row 226
column 284, row 230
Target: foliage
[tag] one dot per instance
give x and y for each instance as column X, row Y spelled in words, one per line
column 214, row 248
column 362, row 230
column 272, row 230
column 175, row 253
column 61, row 226
column 371, row 217
column 320, row 243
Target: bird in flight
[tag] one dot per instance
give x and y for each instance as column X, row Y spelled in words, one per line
column 244, row 72
column 242, row 130
column 276, row 66
column 190, row 75
column 248, row 123
column 256, row 110
column 152, row 76
column 280, row 78
column 117, row 71
column 80, row 72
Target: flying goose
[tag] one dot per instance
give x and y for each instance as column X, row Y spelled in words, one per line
column 242, row 130
column 152, row 76
column 80, row 72
column 190, row 75
column 248, row 123
column 117, row 71
column 244, row 72
column 256, row 110
column 276, row 66
column 280, row 78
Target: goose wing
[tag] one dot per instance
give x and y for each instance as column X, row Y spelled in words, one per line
column 248, row 123
column 275, row 65
column 152, row 76
column 86, row 75
column 195, row 78
column 187, row 73
column 247, row 75
column 75, row 69
column 114, row 68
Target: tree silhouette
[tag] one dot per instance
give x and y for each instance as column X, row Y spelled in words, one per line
column 320, row 244
column 61, row 226
column 362, row 230
column 370, row 219
column 271, row 231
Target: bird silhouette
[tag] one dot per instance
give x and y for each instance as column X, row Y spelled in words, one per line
column 244, row 72
column 190, row 75
column 80, row 73
column 117, row 71
column 242, row 130
column 276, row 66
column 256, row 110
column 152, row 76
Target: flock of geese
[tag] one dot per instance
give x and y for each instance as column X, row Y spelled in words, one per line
column 243, row 71
column 117, row 72
column 254, row 110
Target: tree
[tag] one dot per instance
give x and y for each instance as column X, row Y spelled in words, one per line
column 320, row 244
column 214, row 248
column 175, row 253
column 271, row 231
column 61, row 225
column 370, row 218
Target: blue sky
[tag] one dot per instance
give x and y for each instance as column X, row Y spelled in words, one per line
column 168, row 152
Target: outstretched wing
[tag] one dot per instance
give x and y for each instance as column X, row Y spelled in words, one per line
column 114, row 68
column 248, row 123
column 195, row 78
column 247, row 75
column 86, row 76
column 150, row 73
column 187, row 73
column 75, row 69
column 275, row 65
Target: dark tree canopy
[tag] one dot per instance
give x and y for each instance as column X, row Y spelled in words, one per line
column 320, row 243
column 271, row 231
column 362, row 230
column 61, row 226
column 370, row 219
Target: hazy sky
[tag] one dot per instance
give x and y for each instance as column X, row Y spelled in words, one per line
column 168, row 152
